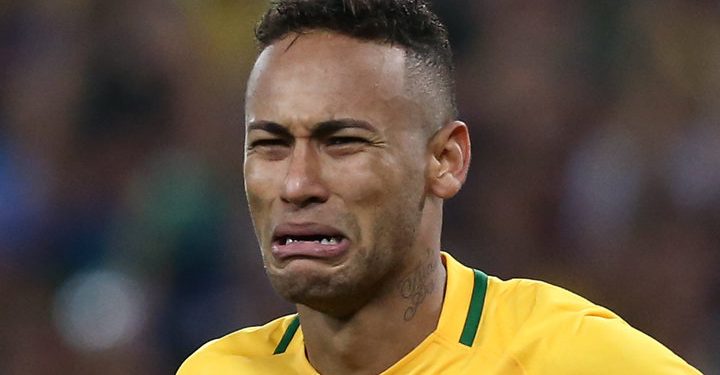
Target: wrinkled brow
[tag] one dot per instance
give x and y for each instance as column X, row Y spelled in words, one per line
column 270, row 127
column 319, row 130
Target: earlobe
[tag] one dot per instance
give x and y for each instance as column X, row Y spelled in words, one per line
column 450, row 159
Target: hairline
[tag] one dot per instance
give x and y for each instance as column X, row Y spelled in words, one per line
column 414, row 62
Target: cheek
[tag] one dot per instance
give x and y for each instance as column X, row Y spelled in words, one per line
column 380, row 190
column 255, row 203
column 364, row 182
column 259, row 185
column 382, row 178
column 260, row 179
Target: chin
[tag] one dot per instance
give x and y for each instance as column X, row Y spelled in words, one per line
column 297, row 287
column 326, row 292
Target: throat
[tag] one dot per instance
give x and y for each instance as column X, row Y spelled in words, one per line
column 382, row 332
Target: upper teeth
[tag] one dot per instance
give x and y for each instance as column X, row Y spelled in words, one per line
column 328, row 241
column 324, row 241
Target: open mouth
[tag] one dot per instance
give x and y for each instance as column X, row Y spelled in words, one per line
column 314, row 241
column 319, row 239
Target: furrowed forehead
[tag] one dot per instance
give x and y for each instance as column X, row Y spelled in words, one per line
column 344, row 64
column 325, row 75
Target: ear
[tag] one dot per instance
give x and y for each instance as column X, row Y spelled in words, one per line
column 450, row 159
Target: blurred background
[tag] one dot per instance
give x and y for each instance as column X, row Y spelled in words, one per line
column 124, row 237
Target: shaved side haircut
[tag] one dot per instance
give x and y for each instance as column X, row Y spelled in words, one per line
column 408, row 24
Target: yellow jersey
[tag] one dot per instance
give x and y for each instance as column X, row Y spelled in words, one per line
column 487, row 326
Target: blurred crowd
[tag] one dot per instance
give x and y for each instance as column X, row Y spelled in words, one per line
column 124, row 236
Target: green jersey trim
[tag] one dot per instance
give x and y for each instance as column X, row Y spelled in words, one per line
column 477, row 301
column 287, row 336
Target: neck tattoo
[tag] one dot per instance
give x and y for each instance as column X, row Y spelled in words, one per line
column 416, row 287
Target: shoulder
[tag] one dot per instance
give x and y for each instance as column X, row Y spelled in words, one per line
column 557, row 331
column 529, row 299
column 248, row 345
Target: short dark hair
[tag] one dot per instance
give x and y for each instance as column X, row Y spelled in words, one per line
column 410, row 24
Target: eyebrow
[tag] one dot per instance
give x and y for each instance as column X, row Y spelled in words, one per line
column 321, row 129
column 270, row 127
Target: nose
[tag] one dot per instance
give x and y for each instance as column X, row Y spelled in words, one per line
column 303, row 183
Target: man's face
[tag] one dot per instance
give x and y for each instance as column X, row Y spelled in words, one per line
column 335, row 167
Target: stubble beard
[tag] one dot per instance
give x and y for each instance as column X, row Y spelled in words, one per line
column 337, row 292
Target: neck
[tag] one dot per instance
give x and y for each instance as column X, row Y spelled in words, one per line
column 384, row 330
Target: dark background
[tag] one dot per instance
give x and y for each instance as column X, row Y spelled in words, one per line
column 124, row 237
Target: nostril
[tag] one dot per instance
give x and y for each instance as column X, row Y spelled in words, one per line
column 307, row 201
column 304, row 189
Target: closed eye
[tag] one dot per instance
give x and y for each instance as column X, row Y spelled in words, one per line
column 268, row 143
column 339, row 141
column 269, row 148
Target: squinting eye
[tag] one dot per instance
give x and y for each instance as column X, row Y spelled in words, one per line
column 270, row 148
column 339, row 141
column 267, row 143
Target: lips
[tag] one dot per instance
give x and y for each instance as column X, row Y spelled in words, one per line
column 308, row 240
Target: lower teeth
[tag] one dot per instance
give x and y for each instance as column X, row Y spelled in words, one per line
column 324, row 241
